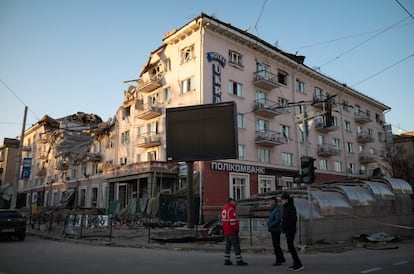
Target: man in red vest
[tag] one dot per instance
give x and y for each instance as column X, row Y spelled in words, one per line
column 231, row 232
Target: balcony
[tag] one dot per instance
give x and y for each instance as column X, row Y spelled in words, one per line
column 152, row 84
column 364, row 137
column 267, row 108
column 362, row 117
column 320, row 126
column 148, row 111
column 266, row 80
column 61, row 165
column 269, row 138
column 327, row 150
column 149, row 141
column 366, row 158
column 93, row 157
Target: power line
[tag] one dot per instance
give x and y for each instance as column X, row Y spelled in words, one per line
column 381, row 71
column 343, row 38
column 363, row 42
column 407, row 11
column 260, row 16
column 15, row 95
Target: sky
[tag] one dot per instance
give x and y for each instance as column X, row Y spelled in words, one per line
column 60, row 57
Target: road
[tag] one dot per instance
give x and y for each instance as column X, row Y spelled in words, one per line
column 51, row 257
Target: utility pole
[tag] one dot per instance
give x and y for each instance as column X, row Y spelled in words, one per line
column 306, row 137
column 18, row 162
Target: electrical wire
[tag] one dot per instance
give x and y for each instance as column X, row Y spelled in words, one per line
column 363, row 42
column 407, row 11
column 384, row 69
column 18, row 98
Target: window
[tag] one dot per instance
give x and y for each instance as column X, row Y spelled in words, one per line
column 262, row 125
column 187, row 54
column 381, row 137
column 321, row 139
column 338, row 166
column 187, row 85
column 261, row 97
column 359, row 130
column 123, row 161
column 347, row 126
column 167, row 94
column 152, row 156
column 351, row 168
column 235, row 88
column 240, row 120
column 345, row 105
column 83, row 197
column 323, row 164
column 266, row 184
column 94, row 197
column 349, row 147
column 126, row 112
column 125, row 137
column 357, row 109
column 235, row 58
column 318, row 93
column 284, row 131
column 239, row 186
column 282, row 77
column 284, row 103
column 242, row 152
column 298, row 110
column 263, row 155
column 336, row 143
column 300, row 86
column 287, row 159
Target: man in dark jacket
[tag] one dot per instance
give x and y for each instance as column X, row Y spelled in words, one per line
column 289, row 220
column 274, row 227
column 231, row 232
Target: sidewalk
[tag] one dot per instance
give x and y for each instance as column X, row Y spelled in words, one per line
column 144, row 238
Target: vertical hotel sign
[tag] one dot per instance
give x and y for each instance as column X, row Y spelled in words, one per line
column 217, row 63
column 27, row 163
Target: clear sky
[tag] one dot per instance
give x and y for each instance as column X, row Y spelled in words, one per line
column 61, row 57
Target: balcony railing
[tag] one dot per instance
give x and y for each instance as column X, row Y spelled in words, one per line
column 366, row 158
column 269, row 138
column 149, row 141
column 362, row 117
column 148, row 111
column 320, row 126
column 266, row 80
column 365, row 137
column 152, row 84
column 327, row 150
column 267, row 108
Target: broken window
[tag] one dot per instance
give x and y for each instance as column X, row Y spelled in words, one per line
column 125, row 137
column 187, row 54
column 187, row 85
column 235, row 58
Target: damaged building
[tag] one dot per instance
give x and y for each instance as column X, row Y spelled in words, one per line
column 121, row 164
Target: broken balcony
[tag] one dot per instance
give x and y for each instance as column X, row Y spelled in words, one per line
column 269, row 138
column 148, row 111
column 266, row 80
column 267, row 108
column 150, row 85
column 327, row 150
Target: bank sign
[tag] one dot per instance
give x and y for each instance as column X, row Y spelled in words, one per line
column 217, row 63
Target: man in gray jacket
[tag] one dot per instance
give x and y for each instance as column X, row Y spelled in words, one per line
column 274, row 227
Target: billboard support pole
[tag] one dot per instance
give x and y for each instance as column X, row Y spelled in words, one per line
column 190, row 195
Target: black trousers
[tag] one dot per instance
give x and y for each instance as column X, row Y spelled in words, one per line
column 276, row 246
column 290, row 237
column 232, row 241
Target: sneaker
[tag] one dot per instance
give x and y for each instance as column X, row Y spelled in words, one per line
column 227, row 262
column 291, row 267
column 242, row 263
column 298, row 268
